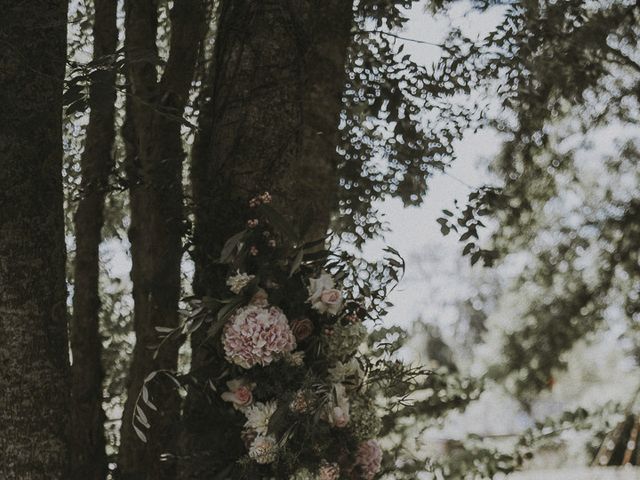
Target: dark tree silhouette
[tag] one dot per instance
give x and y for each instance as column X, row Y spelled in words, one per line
column 34, row 378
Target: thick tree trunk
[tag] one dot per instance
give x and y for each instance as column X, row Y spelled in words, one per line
column 155, row 173
column 271, row 125
column 88, row 440
column 34, row 372
column 272, row 120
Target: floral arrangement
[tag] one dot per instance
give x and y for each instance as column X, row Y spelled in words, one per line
column 298, row 372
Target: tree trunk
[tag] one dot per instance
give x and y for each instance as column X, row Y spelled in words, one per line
column 34, row 359
column 271, row 125
column 88, row 440
column 155, row 175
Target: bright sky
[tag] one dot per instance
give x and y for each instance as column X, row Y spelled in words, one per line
column 414, row 231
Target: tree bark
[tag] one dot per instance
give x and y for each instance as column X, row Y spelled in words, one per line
column 271, row 125
column 88, row 440
column 155, row 175
column 34, row 373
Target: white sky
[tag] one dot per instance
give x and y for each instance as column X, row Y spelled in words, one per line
column 415, row 230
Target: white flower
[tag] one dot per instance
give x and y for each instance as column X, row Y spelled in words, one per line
column 303, row 474
column 238, row 281
column 258, row 416
column 323, row 296
column 317, row 285
column 349, row 370
column 264, row 449
column 295, row 359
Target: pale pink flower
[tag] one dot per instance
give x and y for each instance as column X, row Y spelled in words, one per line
column 240, row 393
column 328, row 471
column 260, row 298
column 369, row 459
column 257, row 335
column 337, row 410
column 339, row 417
column 332, row 300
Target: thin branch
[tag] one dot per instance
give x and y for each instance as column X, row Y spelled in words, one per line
column 624, row 60
column 407, row 39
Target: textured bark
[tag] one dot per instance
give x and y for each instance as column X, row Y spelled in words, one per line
column 272, row 119
column 34, row 361
column 271, row 125
column 88, row 439
column 155, row 175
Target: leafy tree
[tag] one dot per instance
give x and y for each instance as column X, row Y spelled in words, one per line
column 562, row 70
column 399, row 119
column 564, row 74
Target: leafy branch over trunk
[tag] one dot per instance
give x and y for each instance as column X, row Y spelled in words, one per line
column 270, row 124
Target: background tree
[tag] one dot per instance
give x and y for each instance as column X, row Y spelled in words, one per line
column 34, row 383
column 89, row 459
column 155, row 154
column 564, row 199
column 549, row 120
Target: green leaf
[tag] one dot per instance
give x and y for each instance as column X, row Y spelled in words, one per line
column 222, row 316
column 280, row 223
column 228, row 250
column 278, row 421
column 295, row 265
column 164, row 329
column 142, row 418
column 468, row 247
column 224, row 474
column 141, row 435
column 316, row 243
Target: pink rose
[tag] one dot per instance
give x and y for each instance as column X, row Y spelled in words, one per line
column 239, row 393
column 302, row 328
column 323, row 295
column 243, row 396
column 332, row 299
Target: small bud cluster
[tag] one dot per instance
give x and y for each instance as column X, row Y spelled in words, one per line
column 264, row 198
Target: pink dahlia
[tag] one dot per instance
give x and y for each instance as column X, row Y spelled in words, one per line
column 369, row 459
column 257, row 335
